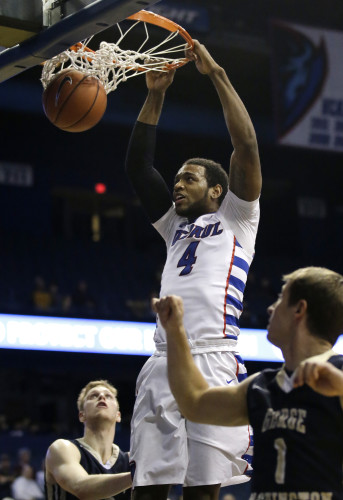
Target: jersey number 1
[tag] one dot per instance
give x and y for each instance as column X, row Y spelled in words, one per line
column 188, row 258
column 281, row 448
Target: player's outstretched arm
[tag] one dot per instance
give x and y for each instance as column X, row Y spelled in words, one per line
column 245, row 178
column 321, row 377
column 148, row 183
column 157, row 83
column 63, row 467
column 197, row 401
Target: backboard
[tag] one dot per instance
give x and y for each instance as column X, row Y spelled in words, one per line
column 62, row 24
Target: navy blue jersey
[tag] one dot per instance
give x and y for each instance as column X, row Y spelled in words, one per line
column 298, row 439
column 92, row 466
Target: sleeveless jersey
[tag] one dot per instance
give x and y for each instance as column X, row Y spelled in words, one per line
column 298, row 439
column 92, row 466
column 207, row 265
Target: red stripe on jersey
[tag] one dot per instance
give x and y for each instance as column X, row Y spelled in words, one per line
column 237, row 368
column 247, row 466
column 227, row 282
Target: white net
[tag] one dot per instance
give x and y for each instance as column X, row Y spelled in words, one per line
column 112, row 64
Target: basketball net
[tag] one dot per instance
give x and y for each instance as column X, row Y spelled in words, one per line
column 111, row 64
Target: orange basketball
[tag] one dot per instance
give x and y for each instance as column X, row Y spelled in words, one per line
column 74, row 101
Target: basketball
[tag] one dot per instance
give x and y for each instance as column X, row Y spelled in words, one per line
column 74, row 101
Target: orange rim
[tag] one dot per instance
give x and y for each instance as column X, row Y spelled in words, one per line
column 150, row 17
column 77, row 46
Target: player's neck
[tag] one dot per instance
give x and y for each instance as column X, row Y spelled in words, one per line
column 308, row 347
column 101, row 440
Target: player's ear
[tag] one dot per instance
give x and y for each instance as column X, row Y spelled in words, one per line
column 81, row 416
column 301, row 308
column 118, row 419
column 216, row 191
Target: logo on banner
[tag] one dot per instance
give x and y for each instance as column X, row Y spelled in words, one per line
column 190, row 16
column 300, row 71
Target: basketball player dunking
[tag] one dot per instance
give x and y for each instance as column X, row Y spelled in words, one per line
column 210, row 233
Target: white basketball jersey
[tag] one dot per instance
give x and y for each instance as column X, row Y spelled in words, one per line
column 207, row 265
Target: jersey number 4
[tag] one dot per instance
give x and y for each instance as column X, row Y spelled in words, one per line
column 188, row 258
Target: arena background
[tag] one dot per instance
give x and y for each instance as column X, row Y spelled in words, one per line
column 50, row 212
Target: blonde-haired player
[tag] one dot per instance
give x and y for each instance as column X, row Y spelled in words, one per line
column 91, row 467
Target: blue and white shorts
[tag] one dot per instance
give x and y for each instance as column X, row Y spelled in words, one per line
column 168, row 449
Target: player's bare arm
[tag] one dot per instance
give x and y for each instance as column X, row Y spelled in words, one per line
column 197, row 401
column 63, row 467
column 321, row 377
column 245, row 178
column 157, row 83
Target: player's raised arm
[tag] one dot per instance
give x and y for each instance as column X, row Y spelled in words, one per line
column 149, row 185
column 197, row 401
column 63, row 467
column 245, row 178
column 157, row 83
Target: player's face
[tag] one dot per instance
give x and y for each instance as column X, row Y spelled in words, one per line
column 280, row 320
column 191, row 193
column 100, row 402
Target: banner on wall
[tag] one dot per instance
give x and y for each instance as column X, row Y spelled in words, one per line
column 45, row 333
column 307, row 72
column 106, row 337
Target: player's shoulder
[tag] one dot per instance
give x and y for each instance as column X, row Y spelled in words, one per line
column 233, row 208
column 60, row 443
column 124, row 458
column 62, row 447
column 123, row 453
column 60, row 453
column 329, row 356
column 233, row 198
column 264, row 377
column 336, row 360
